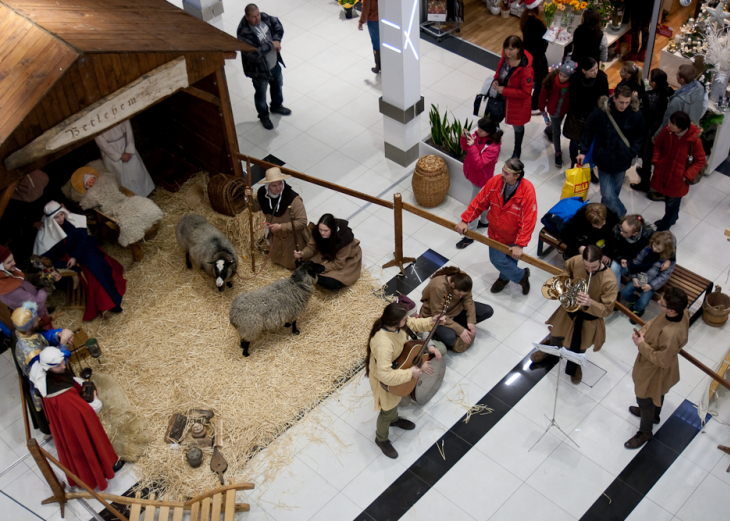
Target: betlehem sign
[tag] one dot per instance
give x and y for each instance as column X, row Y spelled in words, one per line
column 106, row 112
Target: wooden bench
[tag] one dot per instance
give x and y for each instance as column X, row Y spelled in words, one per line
column 693, row 285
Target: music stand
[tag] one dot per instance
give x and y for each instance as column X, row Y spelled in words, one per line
column 576, row 358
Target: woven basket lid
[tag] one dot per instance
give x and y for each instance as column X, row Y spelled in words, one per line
column 431, row 165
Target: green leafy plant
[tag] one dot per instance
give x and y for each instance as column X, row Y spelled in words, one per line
column 347, row 4
column 447, row 136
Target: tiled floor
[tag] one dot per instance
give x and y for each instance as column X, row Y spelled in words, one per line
column 335, row 133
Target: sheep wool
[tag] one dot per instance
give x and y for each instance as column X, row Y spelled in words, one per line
column 206, row 246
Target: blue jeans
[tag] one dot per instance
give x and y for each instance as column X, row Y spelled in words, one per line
column 276, row 80
column 619, row 271
column 374, row 30
column 671, row 213
column 641, row 301
column 611, row 183
column 506, row 265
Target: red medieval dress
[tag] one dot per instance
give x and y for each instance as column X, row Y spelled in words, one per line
column 82, row 444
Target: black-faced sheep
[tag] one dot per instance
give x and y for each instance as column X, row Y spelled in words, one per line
column 208, row 248
column 278, row 304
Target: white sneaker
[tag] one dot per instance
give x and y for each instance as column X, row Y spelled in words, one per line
column 535, row 112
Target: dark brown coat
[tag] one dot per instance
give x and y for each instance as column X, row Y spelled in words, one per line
column 433, row 298
column 284, row 244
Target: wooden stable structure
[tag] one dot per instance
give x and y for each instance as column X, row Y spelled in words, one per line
column 71, row 69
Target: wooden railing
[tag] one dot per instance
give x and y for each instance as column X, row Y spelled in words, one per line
column 398, row 206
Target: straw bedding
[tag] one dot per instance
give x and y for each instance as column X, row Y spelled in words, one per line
column 172, row 350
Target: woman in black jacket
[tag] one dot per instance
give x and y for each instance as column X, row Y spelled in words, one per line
column 589, row 40
column 653, row 105
column 592, row 224
column 532, row 25
column 587, row 85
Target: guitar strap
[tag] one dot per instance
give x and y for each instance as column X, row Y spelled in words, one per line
column 411, row 333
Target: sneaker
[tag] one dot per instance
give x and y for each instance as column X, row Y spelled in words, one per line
column 637, row 412
column 463, row 243
column 548, row 133
column 404, row 424
column 638, row 440
column 266, row 122
column 655, row 196
column 387, row 448
column 638, row 314
column 480, row 224
column 525, row 282
column 280, row 110
column 559, row 160
column 640, row 187
column 577, row 377
column 499, row 285
column 536, row 112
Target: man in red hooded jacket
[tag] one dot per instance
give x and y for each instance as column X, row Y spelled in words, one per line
column 678, row 158
column 511, row 207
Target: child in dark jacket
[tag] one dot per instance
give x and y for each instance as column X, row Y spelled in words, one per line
column 555, row 102
column 649, row 271
column 629, row 237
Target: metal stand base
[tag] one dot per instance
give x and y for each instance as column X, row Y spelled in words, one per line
column 439, row 30
column 552, row 421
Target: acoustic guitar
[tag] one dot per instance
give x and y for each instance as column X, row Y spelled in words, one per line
column 415, row 353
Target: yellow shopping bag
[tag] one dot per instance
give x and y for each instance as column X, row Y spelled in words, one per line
column 577, row 181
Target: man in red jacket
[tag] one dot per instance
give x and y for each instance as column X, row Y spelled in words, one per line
column 511, row 207
column 678, row 158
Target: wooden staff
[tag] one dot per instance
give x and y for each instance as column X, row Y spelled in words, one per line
column 250, row 215
column 294, row 232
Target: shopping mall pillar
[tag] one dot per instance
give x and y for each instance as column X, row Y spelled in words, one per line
column 401, row 103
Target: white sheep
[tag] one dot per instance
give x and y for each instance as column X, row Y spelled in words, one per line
column 275, row 305
column 208, row 248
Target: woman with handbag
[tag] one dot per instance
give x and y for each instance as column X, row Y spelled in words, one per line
column 586, row 87
column 678, row 158
column 513, row 83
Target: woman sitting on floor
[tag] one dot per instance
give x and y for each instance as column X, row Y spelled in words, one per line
column 333, row 245
column 82, row 444
column 65, row 240
column 462, row 315
column 15, row 288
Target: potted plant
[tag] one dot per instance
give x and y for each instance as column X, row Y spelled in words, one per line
column 493, row 6
column 348, row 5
column 445, row 142
column 504, row 6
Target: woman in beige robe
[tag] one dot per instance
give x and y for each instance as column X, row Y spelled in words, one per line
column 280, row 203
column 656, row 369
column 595, row 306
column 333, row 245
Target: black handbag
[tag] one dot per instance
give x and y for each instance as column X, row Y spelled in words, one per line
column 496, row 108
column 573, row 128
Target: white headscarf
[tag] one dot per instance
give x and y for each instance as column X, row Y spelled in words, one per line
column 52, row 233
column 50, row 357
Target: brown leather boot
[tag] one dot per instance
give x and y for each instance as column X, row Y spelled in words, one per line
column 376, row 69
column 404, row 424
column 638, row 440
column 387, row 448
column 577, row 377
column 539, row 356
column 499, row 285
column 525, row 282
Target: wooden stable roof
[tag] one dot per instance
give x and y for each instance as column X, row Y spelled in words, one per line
column 102, row 26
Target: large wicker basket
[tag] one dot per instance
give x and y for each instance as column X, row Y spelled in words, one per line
column 227, row 194
column 716, row 308
column 430, row 181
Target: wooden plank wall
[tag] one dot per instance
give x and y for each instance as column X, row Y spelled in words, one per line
column 90, row 78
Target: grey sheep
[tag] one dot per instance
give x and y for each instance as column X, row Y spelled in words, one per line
column 208, row 248
column 278, row 304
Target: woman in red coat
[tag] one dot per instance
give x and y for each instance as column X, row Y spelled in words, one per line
column 678, row 158
column 514, row 81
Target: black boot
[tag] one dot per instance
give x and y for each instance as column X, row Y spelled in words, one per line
column 376, row 69
column 519, row 136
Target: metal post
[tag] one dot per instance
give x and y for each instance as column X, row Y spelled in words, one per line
column 652, row 37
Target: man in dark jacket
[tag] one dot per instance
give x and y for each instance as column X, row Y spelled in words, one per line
column 629, row 237
column 264, row 32
column 618, row 128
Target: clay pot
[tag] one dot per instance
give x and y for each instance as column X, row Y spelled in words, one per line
column 197, row 430
column 194, row 456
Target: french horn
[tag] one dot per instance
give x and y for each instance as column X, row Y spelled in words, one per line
column 566, row 291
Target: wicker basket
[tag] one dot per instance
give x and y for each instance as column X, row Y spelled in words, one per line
column 227, row 194
column 431, row 181
column 716, row 308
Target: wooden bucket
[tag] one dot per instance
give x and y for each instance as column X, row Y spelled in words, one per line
column 430, row 181
column 227, row 194
column 716, row 308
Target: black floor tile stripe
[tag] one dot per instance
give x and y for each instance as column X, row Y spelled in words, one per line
column 636, row 480
column 466, row 50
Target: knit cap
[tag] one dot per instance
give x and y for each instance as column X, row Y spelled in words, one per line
column 568, row 67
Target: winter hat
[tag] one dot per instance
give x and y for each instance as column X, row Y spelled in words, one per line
column 568, row 67
column 531, row 4
column 4, row 253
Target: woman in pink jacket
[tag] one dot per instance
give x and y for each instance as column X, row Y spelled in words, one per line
column 482, row 151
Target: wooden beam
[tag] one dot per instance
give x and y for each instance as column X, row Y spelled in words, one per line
column 229, row 125
column 205, row 96
column 6, row 195
column 59, row 493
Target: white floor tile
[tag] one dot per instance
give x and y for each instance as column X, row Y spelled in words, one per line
column 647, row 509
column 709, row 501
column 336, row 130
column 527, row 503
column 708, row 242
column 412, row 444
column 271, row 140
column 448, row 407
column 367, row 148
column 338, row 509
column 372, row 481
column 677, row 484
column 464, row 363
column 303, row 152
column 434, row 506
column 478, row 485
column 487, row 373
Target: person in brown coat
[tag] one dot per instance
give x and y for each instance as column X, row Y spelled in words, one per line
column 369, row 16
column 656, row 368
column 462, row 315
column 333, row 245
column 579, row 330
column 279, row 203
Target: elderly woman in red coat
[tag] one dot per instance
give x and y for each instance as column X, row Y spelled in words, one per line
column 678, row 158
column 514, row 81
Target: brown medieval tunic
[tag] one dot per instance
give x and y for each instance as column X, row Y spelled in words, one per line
column 656, row 368
column 603, row 292
column 284, row 244
column 433, row 301
column 345, row 267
